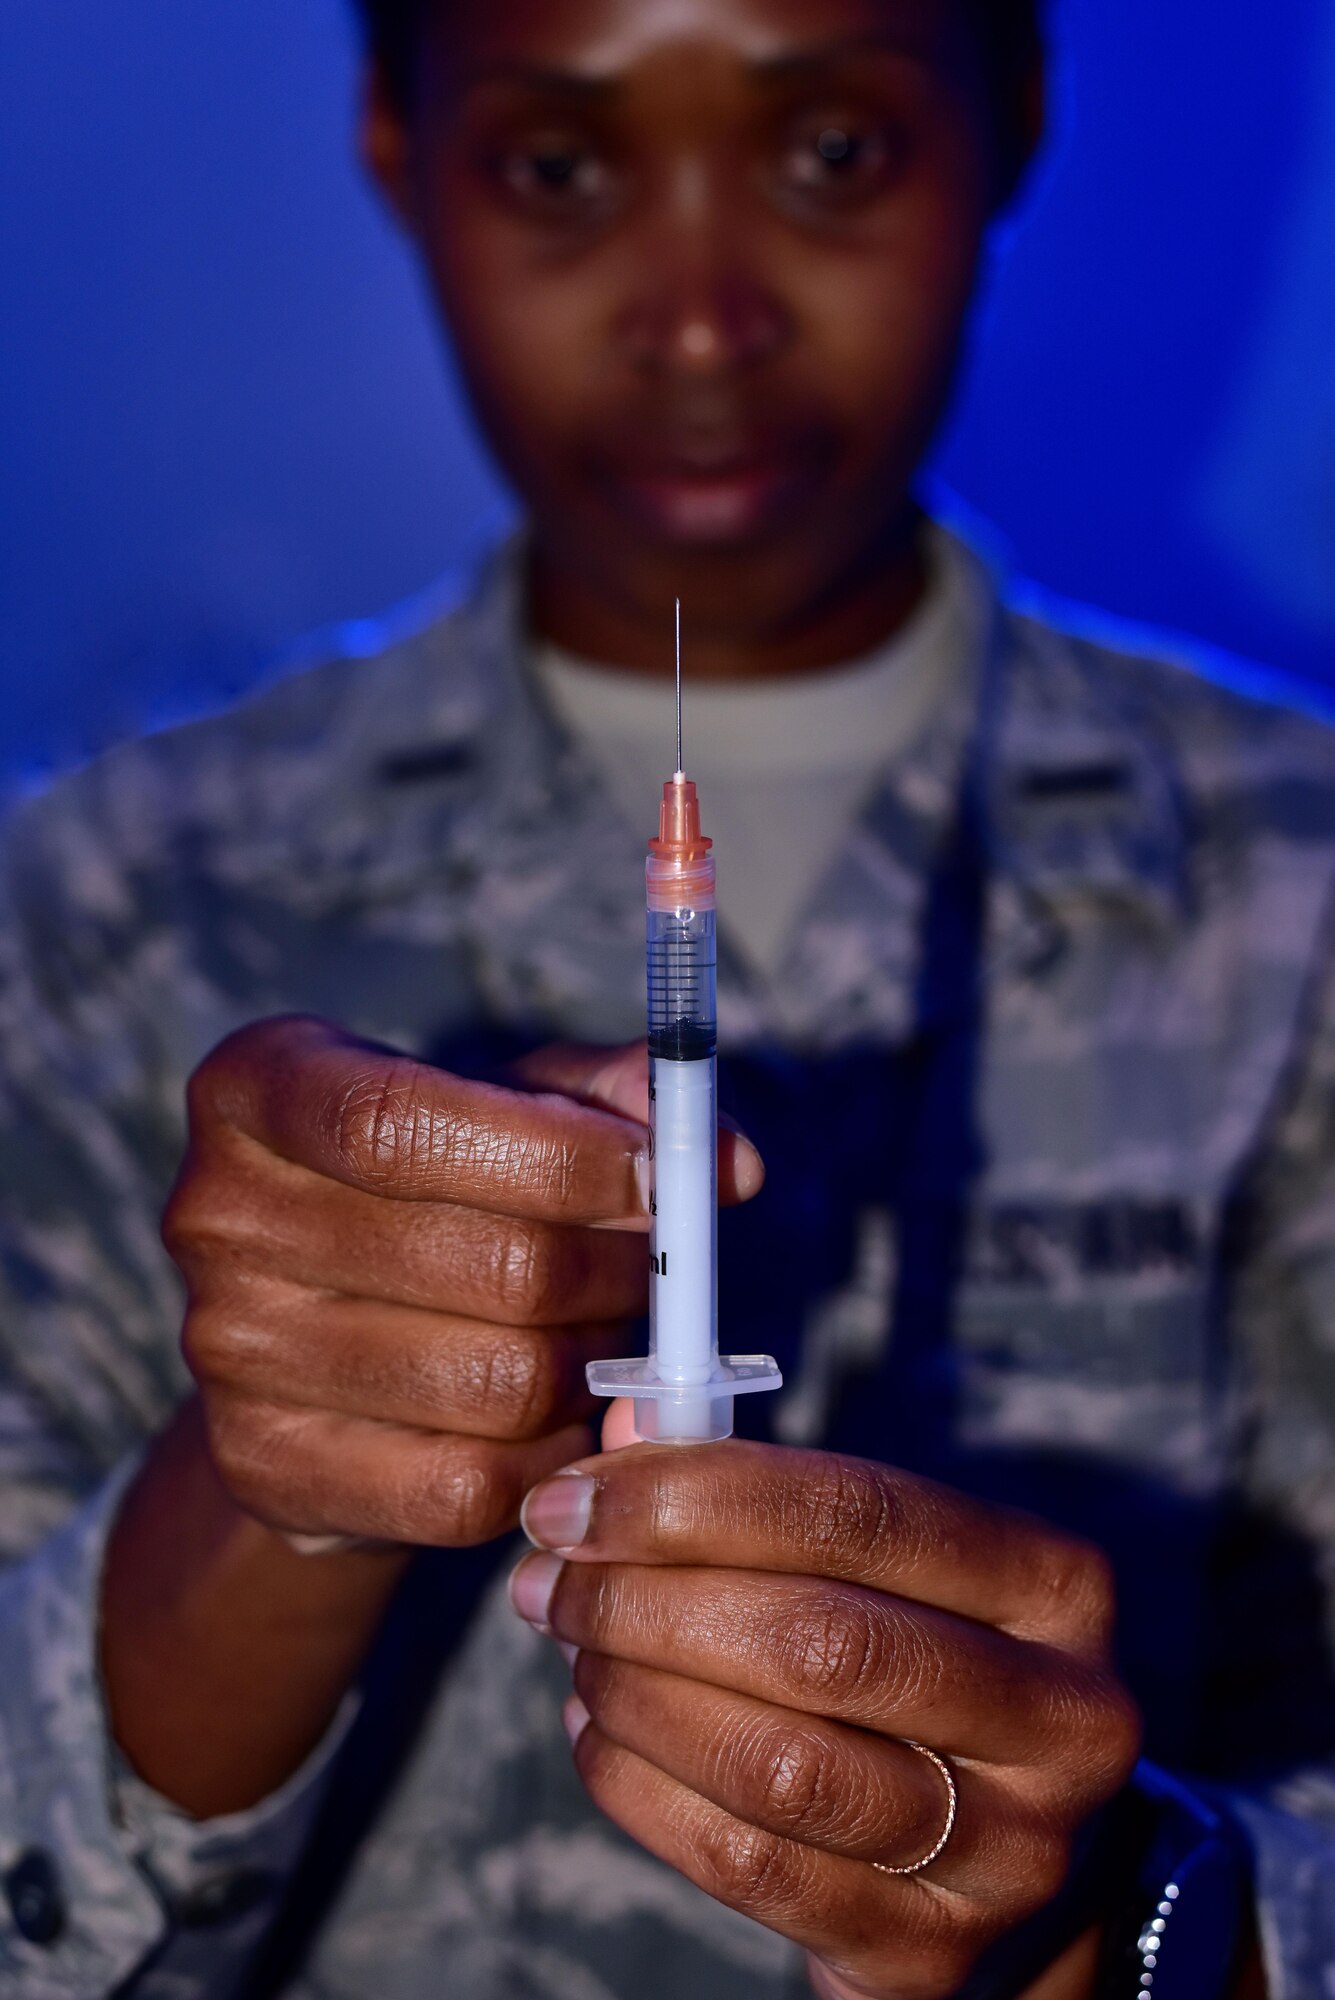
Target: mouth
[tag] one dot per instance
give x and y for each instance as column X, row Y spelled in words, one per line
column 715, row 495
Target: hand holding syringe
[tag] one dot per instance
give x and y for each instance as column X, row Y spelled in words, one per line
column 684, row 1389
column 802, row 1678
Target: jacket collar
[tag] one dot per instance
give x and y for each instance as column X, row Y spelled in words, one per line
column 443, row 733
column 1083, row 796
column 1077, row 802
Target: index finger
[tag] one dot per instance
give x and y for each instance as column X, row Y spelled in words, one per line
column 766, row 1507
column 388, row 1125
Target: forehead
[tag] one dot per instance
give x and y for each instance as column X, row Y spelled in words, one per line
column 609, row 38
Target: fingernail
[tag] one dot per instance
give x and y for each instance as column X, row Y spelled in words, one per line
column 748, row 1168
column 556, row 1514
column 575, row 1718
column 323, row 1545
column 644, row 1178
column 531, row 1587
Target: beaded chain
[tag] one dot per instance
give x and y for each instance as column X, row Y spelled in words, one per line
column 1150, row 1942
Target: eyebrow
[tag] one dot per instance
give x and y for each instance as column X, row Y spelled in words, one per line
column 585, row 87
column 831, row 55
column 539, row 77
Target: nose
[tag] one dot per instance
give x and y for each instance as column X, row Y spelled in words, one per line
column 699, row 308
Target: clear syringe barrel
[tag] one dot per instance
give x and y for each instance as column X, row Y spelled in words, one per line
column 682, row 960
column 683, row 1117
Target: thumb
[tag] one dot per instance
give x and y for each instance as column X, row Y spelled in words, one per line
column 618, row 1080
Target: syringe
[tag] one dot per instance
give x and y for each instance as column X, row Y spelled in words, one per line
column 684, row 1389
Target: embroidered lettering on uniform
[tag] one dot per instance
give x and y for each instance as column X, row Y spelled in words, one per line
column 1040, row 1244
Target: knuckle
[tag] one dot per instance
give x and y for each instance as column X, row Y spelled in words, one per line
column 796, row 1783
column 747, row 1866
column 213, row 1084
column 671, row 1502
column 198, row 1348
column 518, row 1383
column 546, row 1165
column 1049, row 1864
column 1031, row 1868
column 595, row 1754
column 215, row 1211
column 601, row 1684
column 1094, row 1592
column 463, row 1492
column 1116, row 1737
column 175, row 1229
column 525, row 1277
column 191, row 1214
column 201, row 1092
column 217, row 1342
column 379, row 1128
column 596, row 1598
column 836, row 1649
column 221, row 1081
column 1098, row 1731
column 1093, row 1741
column 1081, row 1589
column 251, row 1454
column 1130, row 1732
column 851, row 1510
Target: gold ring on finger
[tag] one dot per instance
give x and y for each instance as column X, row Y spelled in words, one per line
column 952, row 1807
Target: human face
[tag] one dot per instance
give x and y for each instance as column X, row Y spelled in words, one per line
column 706, row 264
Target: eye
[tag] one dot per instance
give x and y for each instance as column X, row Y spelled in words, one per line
column 556, row 171
column 837, row 159
column 558, row 177
column 837, row 148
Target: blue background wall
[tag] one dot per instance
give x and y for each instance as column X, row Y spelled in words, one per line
column 224, row 419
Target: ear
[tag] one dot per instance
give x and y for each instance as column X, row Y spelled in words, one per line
column 384, row 143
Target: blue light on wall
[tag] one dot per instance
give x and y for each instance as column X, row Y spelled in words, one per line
column 225, row 419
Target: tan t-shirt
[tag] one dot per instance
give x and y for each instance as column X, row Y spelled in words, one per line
column 783, row 766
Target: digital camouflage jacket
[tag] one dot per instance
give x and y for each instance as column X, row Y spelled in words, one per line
column 1046, row 1090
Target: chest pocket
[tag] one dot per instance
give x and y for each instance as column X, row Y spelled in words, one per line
column 1086, row 1387
column 1086, row 1328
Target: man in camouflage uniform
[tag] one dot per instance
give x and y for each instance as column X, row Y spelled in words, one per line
column 1044, row 1090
